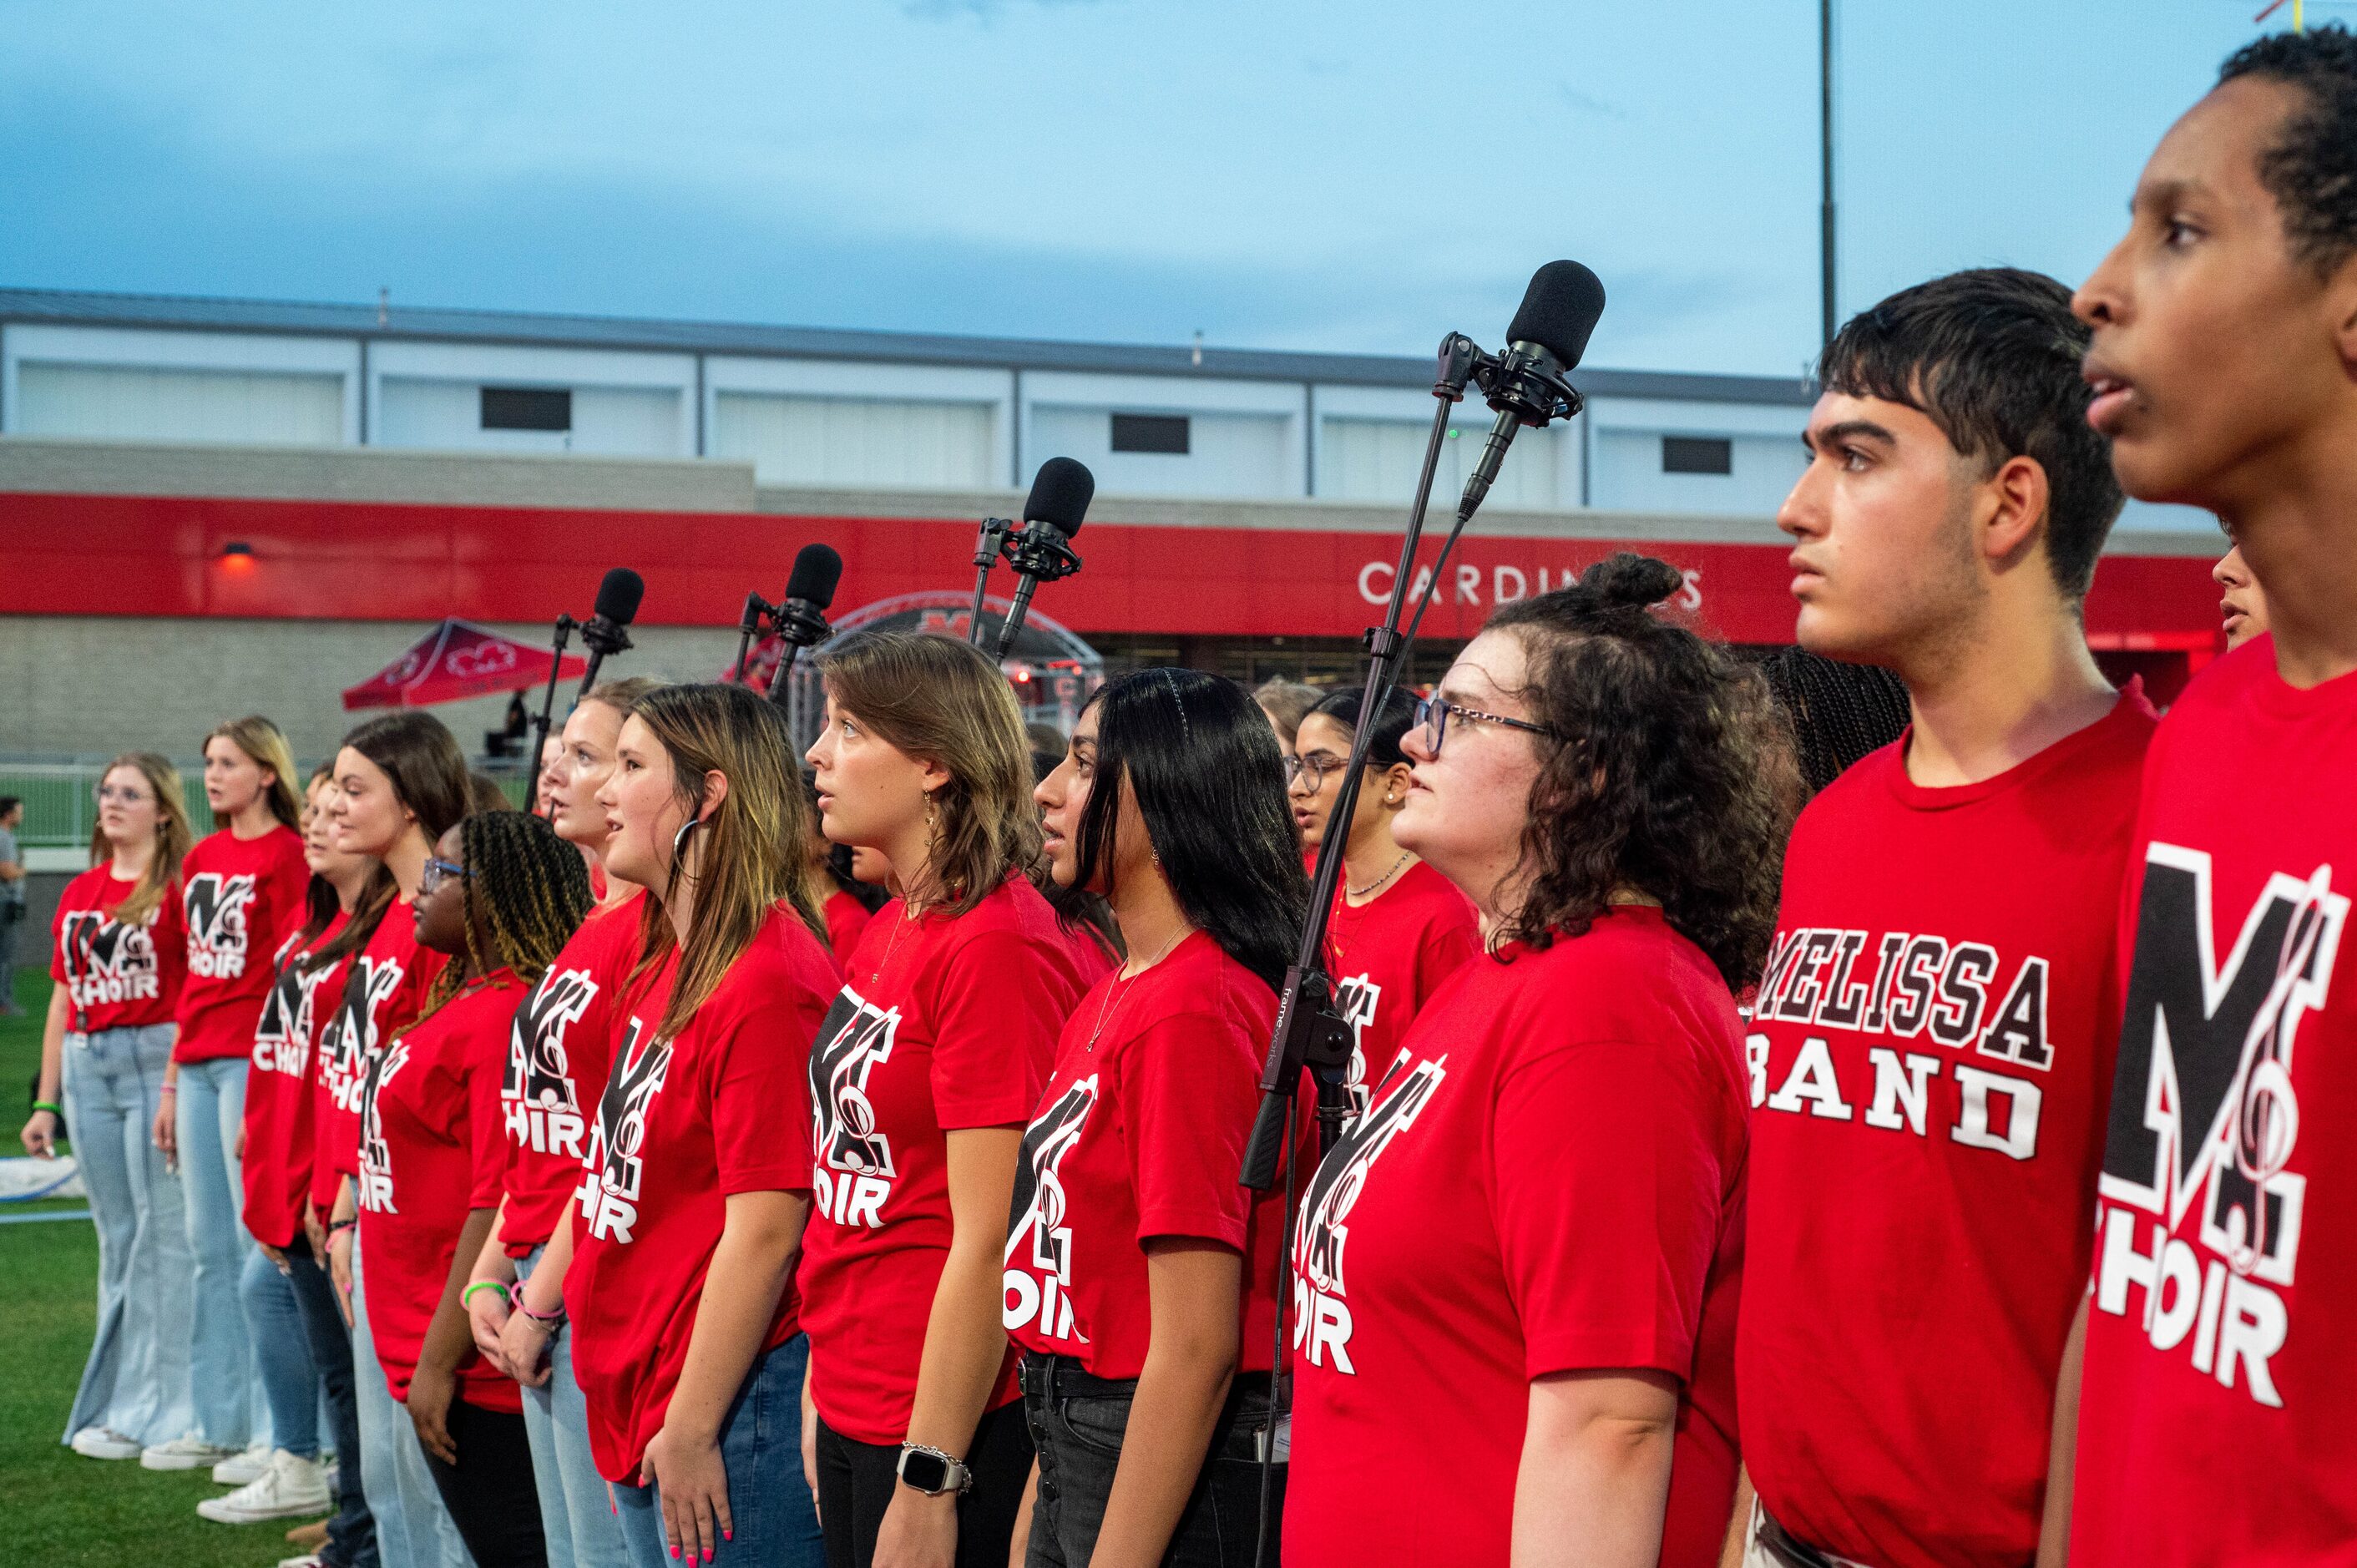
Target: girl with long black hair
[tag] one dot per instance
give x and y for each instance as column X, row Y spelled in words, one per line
column 930, row 1062
column 1398, row 929
column 680, row 1296
column 1517, row 1272
column 1140, row 1277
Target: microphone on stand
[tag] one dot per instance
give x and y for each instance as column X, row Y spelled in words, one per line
column 799, row 617
column 610, row 618
column 1042, row 551
column 1525, row 384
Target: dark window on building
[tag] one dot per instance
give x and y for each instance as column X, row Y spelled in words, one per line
column 1150, row 432
column 527, row 408
column 1697, row 455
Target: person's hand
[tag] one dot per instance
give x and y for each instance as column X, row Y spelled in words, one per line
column 486, row 1316
column 917, row 1532
column 277, row 1259
column 523, row 1350
column 810, row 1450
column 340, row 1268
column 40, row 1136
column 688, row 1477
column 315, row 1230
column 241, row 1143
column 168, row 1136
column 430, row 1390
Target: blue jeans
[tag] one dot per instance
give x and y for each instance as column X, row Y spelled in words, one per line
column 576, row 1515
column 351, row 1534
column 776, row 1525
column 220, row 1367
column 413, row 1529
column 136, row 1380
column 281, row 1353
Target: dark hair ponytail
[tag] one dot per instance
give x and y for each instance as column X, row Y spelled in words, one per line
column 1209, row 783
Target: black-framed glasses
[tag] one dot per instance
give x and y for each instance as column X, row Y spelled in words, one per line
column 1432, row 713
column 1319, row 768
column 438, row 872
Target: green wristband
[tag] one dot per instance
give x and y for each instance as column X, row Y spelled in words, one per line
column 468, row 1293
column 51, row 1106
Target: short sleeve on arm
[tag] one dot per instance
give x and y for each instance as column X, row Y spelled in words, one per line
column 758, row 1084
column 997, row 1006
column 1608, row 1202
column 486, row 1060
column 1449, row 944
column 1191, row 1095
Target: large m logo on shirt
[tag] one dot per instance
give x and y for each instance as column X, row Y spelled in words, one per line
column 2203, row 1106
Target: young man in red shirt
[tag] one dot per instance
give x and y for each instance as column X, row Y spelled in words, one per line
column 1931, row 1051
column 2214, row 1419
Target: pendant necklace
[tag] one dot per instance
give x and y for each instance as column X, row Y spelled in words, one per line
column 1115, row 994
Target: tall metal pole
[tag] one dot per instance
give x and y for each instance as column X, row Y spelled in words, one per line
column 1826, row 150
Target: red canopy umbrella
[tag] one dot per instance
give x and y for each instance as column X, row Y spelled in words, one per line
column 457, row 659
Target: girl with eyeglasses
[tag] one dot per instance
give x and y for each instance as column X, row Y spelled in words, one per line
column 1139, row 1278
column 1516, row 1274
column 499, row 897
column 118, row 957
column 680, row 1295
column 400, row 784
column 1398, row 929
column 241, row 889
column 928, row 1065
column 557, row 1056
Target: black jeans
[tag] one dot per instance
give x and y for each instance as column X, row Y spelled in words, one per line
column 489, row 1492
column 856, row 1480
column 351, row 1534
column 1078, row 1423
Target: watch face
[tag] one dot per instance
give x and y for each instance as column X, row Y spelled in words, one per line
column 926, row 1472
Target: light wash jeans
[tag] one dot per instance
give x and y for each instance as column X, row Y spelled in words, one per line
column 414, row 1530
column 281, row 1353
column 576, row 1513
column 210, row 1115
column 776, row 1524
column 136, row 1380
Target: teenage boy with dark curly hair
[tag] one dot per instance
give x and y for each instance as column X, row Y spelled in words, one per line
column 2214, row 1416
column 1931, row 1049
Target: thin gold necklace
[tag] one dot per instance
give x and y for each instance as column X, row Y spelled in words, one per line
column 1120, row 989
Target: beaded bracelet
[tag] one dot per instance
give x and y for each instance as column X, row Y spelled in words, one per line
column 468, row 1293
column 545, row 1319
column 335, row 1225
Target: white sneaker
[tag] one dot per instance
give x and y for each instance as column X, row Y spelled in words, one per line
column 289, row 1487
column 189, row 1453
column 103, row 1442
column 308, row 1560
column 247, row 1466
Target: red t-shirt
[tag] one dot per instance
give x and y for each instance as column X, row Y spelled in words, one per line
column 1139, row 1134
column 430, row 1151
column 117, row 976
column 1930, row 1057
column 1549, row 1178
column 280, row 1129
column 942, row 1023
column 558, row 1052
column 845, row 917
column 1388, row 957
column 2214, row 1412
column 683, row 1125
column 240, row 898
column 384, row 989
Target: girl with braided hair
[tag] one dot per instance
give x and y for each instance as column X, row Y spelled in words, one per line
column 501, row 896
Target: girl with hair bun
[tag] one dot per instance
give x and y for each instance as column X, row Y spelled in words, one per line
column 680, row 1294
column 241, row 889
column 1398, row 929
column 118, row 957
column 400, row 784
column 499, row 897
column 1518, row 1269
column 1139, row 1278
column 928, row 1065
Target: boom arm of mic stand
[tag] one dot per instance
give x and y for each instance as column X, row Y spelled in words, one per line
column 1309, row 1033
column 565, row 624
column 994, row 530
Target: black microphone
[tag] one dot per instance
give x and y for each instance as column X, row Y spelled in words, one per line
column 1042, row 552
column 800, row 618
column 1525, row 384
column 610, row 618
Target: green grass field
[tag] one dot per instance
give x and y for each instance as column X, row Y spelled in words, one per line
column 57, row 1508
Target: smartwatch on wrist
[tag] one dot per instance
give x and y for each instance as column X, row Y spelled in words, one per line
column 932, row 1472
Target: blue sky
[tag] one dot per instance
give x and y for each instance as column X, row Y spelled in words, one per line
column 1304, row 175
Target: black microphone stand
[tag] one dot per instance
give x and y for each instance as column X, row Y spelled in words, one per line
column 798, row 624
column 757, row 609
column 566, row 626
column 986, row 546
column 1037, row 557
